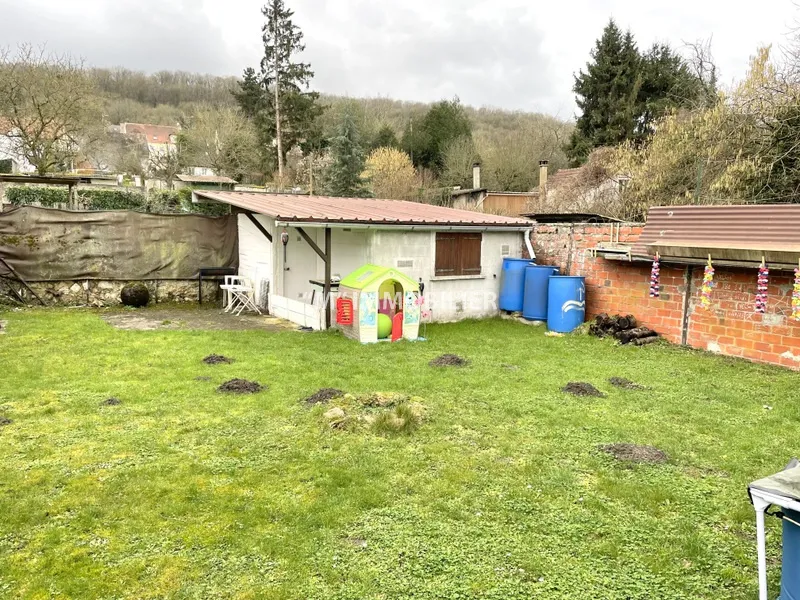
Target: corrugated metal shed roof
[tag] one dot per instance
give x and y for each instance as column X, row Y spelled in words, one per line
column 570, row 218
column 727, row 232
column 326, row 209
column 205, row 179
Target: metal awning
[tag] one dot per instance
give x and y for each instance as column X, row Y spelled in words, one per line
column 737, row 235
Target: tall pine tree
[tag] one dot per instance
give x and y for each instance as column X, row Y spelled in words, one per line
column 344, row 174
column 623, row 92
column 606, row 94
column 277, row 98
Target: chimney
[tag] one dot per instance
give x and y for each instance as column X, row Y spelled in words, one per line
column 543, row 180
column 476, row 176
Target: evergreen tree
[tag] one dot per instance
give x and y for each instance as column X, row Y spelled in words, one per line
column 385, row 138
column 606, row 94
column 444, row 123
column 255, row 105
column 623, row 92
column 285, row 81
column 344, row 175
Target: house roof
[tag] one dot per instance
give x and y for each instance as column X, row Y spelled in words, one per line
column 326, row 209
column 563, row 177
column 205, row 179
column 154, row 134
column 362, row 277
column 570, row 218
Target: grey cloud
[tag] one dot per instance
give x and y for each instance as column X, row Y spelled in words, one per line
column 140, row 34
column 394, row 51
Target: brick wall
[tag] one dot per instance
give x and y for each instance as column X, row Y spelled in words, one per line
column 730, row 327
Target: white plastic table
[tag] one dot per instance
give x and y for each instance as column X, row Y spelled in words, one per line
column 781, row 489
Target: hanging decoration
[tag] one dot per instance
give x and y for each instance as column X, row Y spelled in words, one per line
column 763, row 286
column 796, row 295
column 655, row 273
column 708, row 285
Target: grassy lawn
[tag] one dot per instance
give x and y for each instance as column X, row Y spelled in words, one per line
column 183, row 492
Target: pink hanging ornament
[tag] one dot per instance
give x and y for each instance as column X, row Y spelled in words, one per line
column 796, row 296
column 655, row 273
column 763, row 286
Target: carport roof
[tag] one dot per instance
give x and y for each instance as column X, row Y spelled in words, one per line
column 368, row 211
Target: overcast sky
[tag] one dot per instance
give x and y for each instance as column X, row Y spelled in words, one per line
column 515, row 54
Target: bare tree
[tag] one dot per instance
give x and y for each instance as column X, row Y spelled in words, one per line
column 165, row 166
column 48, row 103
column 221, row 139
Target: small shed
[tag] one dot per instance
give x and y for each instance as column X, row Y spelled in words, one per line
column 372, row 291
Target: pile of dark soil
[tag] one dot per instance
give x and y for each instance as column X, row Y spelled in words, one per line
column 217, row 359
column 111, row 402
column 448, row 360
column 635, row 453
column 5, row 421
column 580, row 388
column 625, row 384
column 240, row 386
column 324, row 395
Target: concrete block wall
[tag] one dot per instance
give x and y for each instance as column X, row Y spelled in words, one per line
column 729, row 327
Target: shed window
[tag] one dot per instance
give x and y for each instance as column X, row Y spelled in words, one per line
column 458, row 254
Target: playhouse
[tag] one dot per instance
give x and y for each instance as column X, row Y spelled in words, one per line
column 378, row 303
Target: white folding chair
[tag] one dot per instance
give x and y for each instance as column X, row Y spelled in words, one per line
column 231, row 282
column 244, row 297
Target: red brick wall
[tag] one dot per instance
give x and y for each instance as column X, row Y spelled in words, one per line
column 730, row 327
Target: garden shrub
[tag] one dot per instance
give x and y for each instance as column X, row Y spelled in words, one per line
column 45, row 196
column 157, row 201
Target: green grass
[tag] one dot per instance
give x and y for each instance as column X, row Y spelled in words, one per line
column 181, row 492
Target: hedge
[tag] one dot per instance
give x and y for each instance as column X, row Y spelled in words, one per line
column 158, row 201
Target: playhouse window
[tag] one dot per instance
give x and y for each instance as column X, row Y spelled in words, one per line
column 458, row 254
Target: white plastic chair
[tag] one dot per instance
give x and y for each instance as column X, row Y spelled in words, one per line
column 240, row 295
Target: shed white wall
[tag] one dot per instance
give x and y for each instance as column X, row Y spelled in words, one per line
column 256, row 252
column 412, row 252
column 448, row 298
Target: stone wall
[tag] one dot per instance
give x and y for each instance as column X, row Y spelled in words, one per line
column 99, row 293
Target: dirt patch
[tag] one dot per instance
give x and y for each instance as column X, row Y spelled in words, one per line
column 240, row 386
column 324, row 395
column 510, row 367
column 625, row 384
column 202, row 378
column 208, row 319
column 217, row 359
column 448, row 360
column 357, row 542
column 111, row 402
column 5, row 421
column 580, row 388
column 635, row 453
column 3, row 325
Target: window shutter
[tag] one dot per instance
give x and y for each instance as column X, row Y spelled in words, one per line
column 470, row 253
column 446, row 254
column 458, row 254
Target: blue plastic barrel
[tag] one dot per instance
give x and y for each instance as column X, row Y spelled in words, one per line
column 512, row 283
column 534, row 299
column 566, row 303
column 790, row 569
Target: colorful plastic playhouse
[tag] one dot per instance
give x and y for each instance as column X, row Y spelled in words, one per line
column 378, row 303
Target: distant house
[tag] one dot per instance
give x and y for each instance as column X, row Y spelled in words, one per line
column 160, row 139
column 493, row 202
column 11, row 160
column 588, row 188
